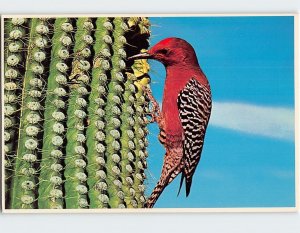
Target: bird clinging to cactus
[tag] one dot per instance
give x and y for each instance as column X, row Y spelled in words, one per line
column 186, row 109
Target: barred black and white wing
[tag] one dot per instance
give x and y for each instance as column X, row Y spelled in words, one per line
column 194, row 105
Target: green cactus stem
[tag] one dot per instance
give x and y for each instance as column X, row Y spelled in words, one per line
column 14, row 56
column 24, row 194
column 75, row 172
column 51, row 176
column 97, row 175
column 115, row 196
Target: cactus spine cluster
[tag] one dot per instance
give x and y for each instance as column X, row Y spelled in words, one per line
column 75, row 113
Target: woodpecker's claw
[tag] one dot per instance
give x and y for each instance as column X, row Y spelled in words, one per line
column 153, row 118
column 155, row 111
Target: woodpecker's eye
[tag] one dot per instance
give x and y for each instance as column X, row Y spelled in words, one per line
column 163, row 51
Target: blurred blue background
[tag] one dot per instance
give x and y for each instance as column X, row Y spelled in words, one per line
column 249, row 152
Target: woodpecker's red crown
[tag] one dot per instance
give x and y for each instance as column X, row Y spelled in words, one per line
column 171, row 51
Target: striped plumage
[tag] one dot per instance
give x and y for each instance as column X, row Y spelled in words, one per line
column 194, row 104
column 186, row 109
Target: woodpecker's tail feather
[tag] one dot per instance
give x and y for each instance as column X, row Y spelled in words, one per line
column 188, row 184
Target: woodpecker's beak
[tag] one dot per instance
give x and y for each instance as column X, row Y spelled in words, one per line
column 140, row 56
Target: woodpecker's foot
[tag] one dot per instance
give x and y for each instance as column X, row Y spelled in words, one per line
column 161, row 122
column 155, row 111
column 153, row 117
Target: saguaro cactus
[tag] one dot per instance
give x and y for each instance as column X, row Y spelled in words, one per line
column 75, row 113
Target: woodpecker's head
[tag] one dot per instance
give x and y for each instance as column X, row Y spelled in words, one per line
column 170, row 51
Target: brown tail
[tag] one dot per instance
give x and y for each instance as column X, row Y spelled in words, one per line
column 173, row 165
